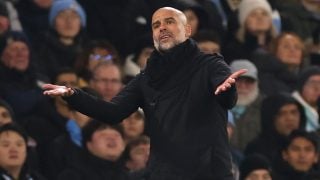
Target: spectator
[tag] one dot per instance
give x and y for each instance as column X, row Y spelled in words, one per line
column 255, row 167
column 247, row 110
column 65, row 39
column 20, row 82
column 13, row 154
column 255, row 31
column 103, row 148
column 138, row 60
column 97, row 51
column 280, row 115
column 106, row 80
column 208, row 41
column 299, row 156
column 137, row 153
column 279, row 70
column 133, row 126
column 308, row 93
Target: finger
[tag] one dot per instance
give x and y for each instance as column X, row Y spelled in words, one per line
column 217, row 91
column 238, row 73
column 227, row 85
column 230, row 80
column 49, row 86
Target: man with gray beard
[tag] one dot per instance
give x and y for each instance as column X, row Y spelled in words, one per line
column 247, row 110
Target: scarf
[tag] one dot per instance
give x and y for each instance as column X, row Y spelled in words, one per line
column 162, row 67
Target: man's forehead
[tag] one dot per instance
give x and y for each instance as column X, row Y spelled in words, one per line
column 164, row 14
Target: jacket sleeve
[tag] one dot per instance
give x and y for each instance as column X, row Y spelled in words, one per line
column 219, row 72
column 121, row 106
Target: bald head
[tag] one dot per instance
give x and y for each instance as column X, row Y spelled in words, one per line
column 178, row 13
column 170, row 28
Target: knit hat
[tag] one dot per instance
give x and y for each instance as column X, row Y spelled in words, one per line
column 253, row 162
column 12, row 36
column 245, row 64
column 305, row 75
column 247, row 6
column 60, row 5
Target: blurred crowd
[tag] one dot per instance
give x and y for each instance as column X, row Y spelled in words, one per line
column 100, row 45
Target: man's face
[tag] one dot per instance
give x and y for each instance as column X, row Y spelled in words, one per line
column 287, row 119
column 311, row 90
column 68, row 23
column 289, row 50
column 140, row 155
column 16, row 56
column 133, row 125
column 301, row 154
column 169, row 28
column 13, row 150
column 258, row 21
column 107, row 81
column 247, row 89
column 106, row 144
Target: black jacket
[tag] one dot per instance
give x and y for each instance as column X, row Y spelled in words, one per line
column 184, row 119
column 24, row 175
column 89, row 167
column 270, row 142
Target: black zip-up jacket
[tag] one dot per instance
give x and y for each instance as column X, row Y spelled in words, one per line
column 184, row 119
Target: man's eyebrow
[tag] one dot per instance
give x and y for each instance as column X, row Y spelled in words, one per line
column 170, row 18
column 166, row 19
column 155, row 23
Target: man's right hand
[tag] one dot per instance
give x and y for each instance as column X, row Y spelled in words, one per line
column 55, row 90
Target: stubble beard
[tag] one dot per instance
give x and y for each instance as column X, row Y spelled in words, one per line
column 164, row 47
column 245, row 100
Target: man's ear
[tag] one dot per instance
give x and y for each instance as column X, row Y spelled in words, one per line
column 188, row 30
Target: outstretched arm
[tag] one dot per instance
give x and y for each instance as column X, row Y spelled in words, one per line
column 121, row 106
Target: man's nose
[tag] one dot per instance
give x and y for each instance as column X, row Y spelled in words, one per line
column 163, row 27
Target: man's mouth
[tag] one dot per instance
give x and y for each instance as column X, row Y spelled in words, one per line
column 164, row 37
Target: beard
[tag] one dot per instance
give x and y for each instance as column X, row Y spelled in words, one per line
column 164, row 47
column 174, row 40
column 245, row 100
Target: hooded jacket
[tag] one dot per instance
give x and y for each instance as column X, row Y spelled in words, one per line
column 270, row 142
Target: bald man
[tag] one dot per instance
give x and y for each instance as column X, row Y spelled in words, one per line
column 185, row 95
